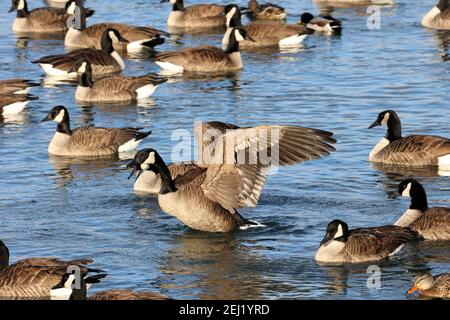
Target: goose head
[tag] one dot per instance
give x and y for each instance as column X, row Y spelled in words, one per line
column 443, row 5
column 337, row 230
column 149, row 159
column 59, row 114
column 411, row 188
column 390, row 119
column 306, row 18
column 233, row 15
column 4, row 255
column 422, row 281
column 18, row 5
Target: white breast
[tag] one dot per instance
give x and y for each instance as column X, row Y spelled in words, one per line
column 408, row 217
column 330, row 252
column 72, row 37
column 380, row 146
column 176, row 19
column 82, row 93
column 59, row 144
column 427, row 20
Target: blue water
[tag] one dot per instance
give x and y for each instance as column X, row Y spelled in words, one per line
column 70, row 209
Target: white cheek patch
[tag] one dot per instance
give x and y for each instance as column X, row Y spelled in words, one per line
column 407, row 191
column 82, row 69
column 238, row 35
column 173, row 1
column 385, row 119
column 69, row 282
column 60, row 117
column 113, row 37
column 339, row 232
column 231, row 14
column 21, row 5
column 150, row 158
column 71, row 8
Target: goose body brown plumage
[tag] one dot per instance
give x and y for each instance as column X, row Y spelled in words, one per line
column 120, row 294
column 195, row 16
column 14, row 103
column 33, row 277
column 265, row 11
column 438, row 17
column 16, row 86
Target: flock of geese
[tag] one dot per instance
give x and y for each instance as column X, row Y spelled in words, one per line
column 206, row 195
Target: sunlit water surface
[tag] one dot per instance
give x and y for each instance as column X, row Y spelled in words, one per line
column 69, row 209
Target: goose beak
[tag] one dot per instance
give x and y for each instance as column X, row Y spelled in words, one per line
column 375, row 124
column 47, row 118
column 412, row 290
column 136, row 168
column 327, row 238
column 11, row 9
column 164, row 1
column 123, row 40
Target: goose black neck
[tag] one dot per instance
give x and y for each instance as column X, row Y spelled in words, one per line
column 4, row 256
column 64, row 125
column 443, row 5
column 23, row 13
column 178, row 6
column 167, row 185
column 86, row 80
column 394, row 128
column 106, row 43
column 418, row 198
column 233, row 44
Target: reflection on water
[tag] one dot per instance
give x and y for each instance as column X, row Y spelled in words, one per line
column 336, row 83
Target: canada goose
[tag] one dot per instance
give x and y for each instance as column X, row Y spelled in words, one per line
column 429, row 286
column 417, row 150
column 206, row 196
column 14, row 103
column 68, row 288
column 90, row 141
column 326, row 24
column 41, row 20
column 205, row 59
column 264, row 34
column 139, row 38
column 341, row 245
column 35, row 277
column 438, row 17
column 431, row 223
column 265, row 11
column 195, row 16
column 16, row 86
column 103, row 62
column 114, row 88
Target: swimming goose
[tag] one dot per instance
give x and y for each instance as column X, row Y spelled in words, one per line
column 429, row 286
column 265, row 11
column 326, row 24
column 206, row 197
column 34, row 277
column 90, row 141
column 264, row 34
column 14, row 103
column 195, row 16
column 438, row 17
column 114, row 88
column 417, row 150
column 68, row 289
column 42, row 20
column 139, row 38
column 431, row 223
column 16, row 86
column 205, row 59
column 341, row 245
column 103, row 62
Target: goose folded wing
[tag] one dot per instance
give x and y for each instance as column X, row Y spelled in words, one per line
column 436, row 218
column 47, row 16
column 204, row 11
column 430, row 146
column 126, row 295
column 101, row 139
